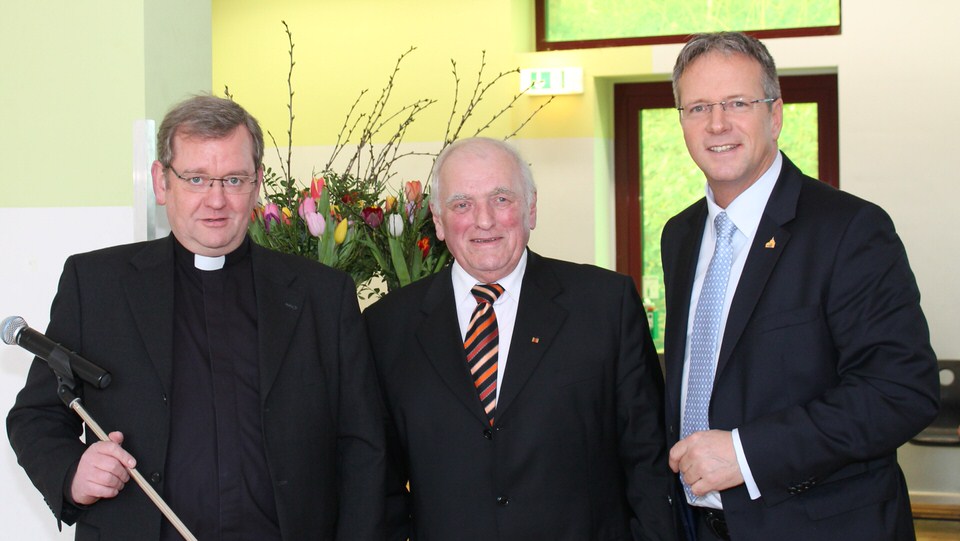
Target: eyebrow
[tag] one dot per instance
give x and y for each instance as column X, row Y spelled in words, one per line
column 499, row 190
column 728, row 98
column 240, row 173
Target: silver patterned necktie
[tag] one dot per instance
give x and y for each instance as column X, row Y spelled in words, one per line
column 703, row 339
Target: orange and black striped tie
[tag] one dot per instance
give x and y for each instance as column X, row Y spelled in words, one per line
column 482, row 344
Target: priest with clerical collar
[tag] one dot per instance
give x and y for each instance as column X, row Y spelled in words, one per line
column 242, row 385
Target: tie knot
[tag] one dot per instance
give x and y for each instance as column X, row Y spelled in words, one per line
column 725, row 227
column 488, row 293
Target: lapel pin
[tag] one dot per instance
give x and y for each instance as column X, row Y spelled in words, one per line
column 535, row 340
column 772, row 243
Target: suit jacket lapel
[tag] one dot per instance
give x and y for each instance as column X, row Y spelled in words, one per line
column 439, row 336
column 678, row 299
column 761, row 260
column 539, row 319
column 149, row 289
column 279, row 305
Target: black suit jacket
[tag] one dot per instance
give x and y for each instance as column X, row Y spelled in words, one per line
column 321, row 424
column 577, row 452
column 825, row 366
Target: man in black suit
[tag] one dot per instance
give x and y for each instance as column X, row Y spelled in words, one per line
column 797, row 356
column 538, row 417
column 242, row 382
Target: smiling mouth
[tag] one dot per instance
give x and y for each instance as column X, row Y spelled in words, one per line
column 722, row 148
column 485, row 241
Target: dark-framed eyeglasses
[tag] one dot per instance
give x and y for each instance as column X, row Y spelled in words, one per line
column 202, row 183
column 696, row 111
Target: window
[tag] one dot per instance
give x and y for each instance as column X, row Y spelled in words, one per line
column 576, row 24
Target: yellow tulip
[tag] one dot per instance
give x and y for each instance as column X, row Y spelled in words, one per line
column 340, row 233
column 390, row 202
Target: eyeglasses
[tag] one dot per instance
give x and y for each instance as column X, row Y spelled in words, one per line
column 201, row 183
column 739, row 106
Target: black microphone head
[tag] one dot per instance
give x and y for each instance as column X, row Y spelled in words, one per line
column 11, row 329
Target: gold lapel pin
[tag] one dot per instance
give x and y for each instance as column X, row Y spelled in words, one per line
column 772, row 243
column 535, row 340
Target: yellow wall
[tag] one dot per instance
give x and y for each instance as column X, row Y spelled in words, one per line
column 345, row 47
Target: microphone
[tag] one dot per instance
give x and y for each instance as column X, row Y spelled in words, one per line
column 16, row 332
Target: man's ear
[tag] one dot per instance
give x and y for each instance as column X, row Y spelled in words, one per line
column 533, row 212
column 438, row 225
column 159, row 182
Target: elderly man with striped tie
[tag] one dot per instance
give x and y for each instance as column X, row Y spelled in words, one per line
column 523, row 394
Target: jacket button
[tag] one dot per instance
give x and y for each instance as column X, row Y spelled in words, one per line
column 488, row 434
column 502, row 501
column 155, row 477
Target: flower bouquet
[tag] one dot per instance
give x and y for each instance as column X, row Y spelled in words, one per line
column 350, row 218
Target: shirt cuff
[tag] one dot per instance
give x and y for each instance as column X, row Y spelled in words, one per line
column 752, row 489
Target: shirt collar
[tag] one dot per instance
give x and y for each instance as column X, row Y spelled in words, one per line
column 746, row 210
column 463, row 282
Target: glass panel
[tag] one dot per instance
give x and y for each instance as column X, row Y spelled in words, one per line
column 575, row 20
column 671, row 182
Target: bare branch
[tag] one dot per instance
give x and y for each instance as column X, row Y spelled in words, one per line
column 529, row 118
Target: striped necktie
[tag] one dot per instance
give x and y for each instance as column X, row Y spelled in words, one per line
column 703, row 338
column 482, row 344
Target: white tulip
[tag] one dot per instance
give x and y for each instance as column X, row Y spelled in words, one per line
column 395, row 225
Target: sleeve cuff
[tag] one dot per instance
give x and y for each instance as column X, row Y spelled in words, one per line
column 752, row 489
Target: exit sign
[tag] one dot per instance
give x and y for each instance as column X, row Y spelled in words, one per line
column 540, row 81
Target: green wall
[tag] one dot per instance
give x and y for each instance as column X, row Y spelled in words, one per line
column 76, row 77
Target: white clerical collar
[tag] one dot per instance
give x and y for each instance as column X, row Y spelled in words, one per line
column 206, row 263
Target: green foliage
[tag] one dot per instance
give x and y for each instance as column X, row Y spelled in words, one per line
column 572, row 20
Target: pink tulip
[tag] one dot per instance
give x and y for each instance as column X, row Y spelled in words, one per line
column 307, row 206
column 315, row 223
column 271, row 213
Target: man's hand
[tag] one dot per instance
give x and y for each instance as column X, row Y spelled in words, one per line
column 707, row 460
column 102, row 471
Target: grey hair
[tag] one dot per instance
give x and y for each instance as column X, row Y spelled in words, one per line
column 727, row 43
column 478, row 146
column 206, row 117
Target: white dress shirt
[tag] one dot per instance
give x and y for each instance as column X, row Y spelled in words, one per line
column 745, row 212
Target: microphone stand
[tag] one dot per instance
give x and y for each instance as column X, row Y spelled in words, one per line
column 66, row 393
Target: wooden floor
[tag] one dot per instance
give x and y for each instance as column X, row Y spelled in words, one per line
column 937, row 530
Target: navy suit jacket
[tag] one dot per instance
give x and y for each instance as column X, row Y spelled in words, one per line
column 322, row 428
column 825, row 366
column 577, row 452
